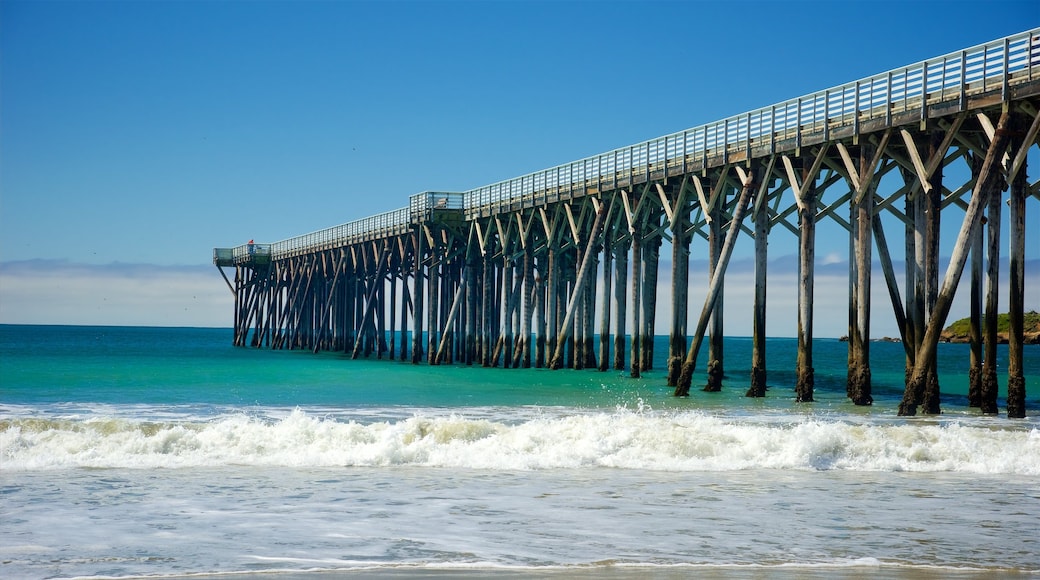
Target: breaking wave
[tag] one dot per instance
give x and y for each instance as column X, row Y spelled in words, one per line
column 624, row 439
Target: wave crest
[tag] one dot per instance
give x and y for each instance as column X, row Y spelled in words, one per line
column 624, row 439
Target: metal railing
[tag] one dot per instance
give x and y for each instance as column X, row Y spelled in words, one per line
column 999, row 64
column 381, row 225
column 987, row 67
column 422, row 204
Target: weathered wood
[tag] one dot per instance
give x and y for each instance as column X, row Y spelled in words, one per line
column 393, row 318
column 528, row 312
column 859, row 378
column 758, row 347
column 553, row 296
column 456, row 303
column 716, row 342
column 913, row 329
column 473, row 265
column 975, row 330
column 620, row 303
column 1019, row 187
column 487, row 328
column 988, row 401
column 606, row 296
column 926, row 355
column 805, row 381
column 591, row 286
column 417, row 297
column 557, row 360
column 539, row 312
column 636, row 360
column 680, row 295
column 885, row 257
column 509, row 300
column 652, row 258
column 406, row 306
column 379, row 316
column 578, row 302
column 933, row 204
column 434, row 319
column 686, row 377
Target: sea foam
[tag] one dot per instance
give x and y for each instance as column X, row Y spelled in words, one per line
column 684, row 441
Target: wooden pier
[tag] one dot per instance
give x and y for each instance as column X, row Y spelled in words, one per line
column 515, row 274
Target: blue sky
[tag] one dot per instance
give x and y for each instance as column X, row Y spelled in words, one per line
column 136, row 136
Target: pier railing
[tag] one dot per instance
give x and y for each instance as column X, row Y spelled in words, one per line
column 383, row 225
column 873, row 101
column 950, row 78
column 422, row 205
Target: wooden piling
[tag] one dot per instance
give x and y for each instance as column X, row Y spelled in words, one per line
column 418, row 280
column 652, row 258
column 680, row 295
column 933, row 204
column 557, row 360
column 858, row 381
column 716, row 332
column 758, row 347
column 539, row 312
column 637, row 289
column 988, row 401
column 552, row 297
column 1019, row 189
column 686, row 377
column 606, row 296
column 926, row 355
column 589, row 308
column 805, row 381
column 406, row 306
column 473, row 267
column 620, row 304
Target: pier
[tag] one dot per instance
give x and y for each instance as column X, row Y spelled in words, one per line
column 526, row 271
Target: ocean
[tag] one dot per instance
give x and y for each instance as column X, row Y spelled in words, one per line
column 166, row 452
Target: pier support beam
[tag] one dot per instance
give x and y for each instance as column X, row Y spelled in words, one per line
column 620, row 314
column 473, row 270
column 926, row 356
column 651, row 260
column 1016, row 393
column 680, row 294
column 637, row 305
column 417, row 297
column 530, row 287
column 858, row 386
column 805, row 198
column 988, row 400
column 587, row 261
column 604, row 317
column 686, row 377
column 975, row 329
column 715, row 323
column 758, row 346
column 933, row 205
column 539, row 312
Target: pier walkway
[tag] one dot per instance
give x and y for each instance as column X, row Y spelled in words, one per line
column 516, row 273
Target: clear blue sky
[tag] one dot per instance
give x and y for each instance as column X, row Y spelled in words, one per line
column 147, row 133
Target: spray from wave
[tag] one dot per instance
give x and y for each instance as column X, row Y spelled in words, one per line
column 623, row 439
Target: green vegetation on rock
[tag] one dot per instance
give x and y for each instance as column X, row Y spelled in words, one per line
column 960, row 331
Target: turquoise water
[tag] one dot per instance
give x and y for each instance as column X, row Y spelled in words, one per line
column 124, row 365
column 128, row 452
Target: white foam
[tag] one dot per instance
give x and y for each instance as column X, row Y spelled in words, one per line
column 686, row 441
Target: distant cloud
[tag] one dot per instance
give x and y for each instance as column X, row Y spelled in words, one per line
column 62, row 292
column 830, row 296
column 832, row 258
